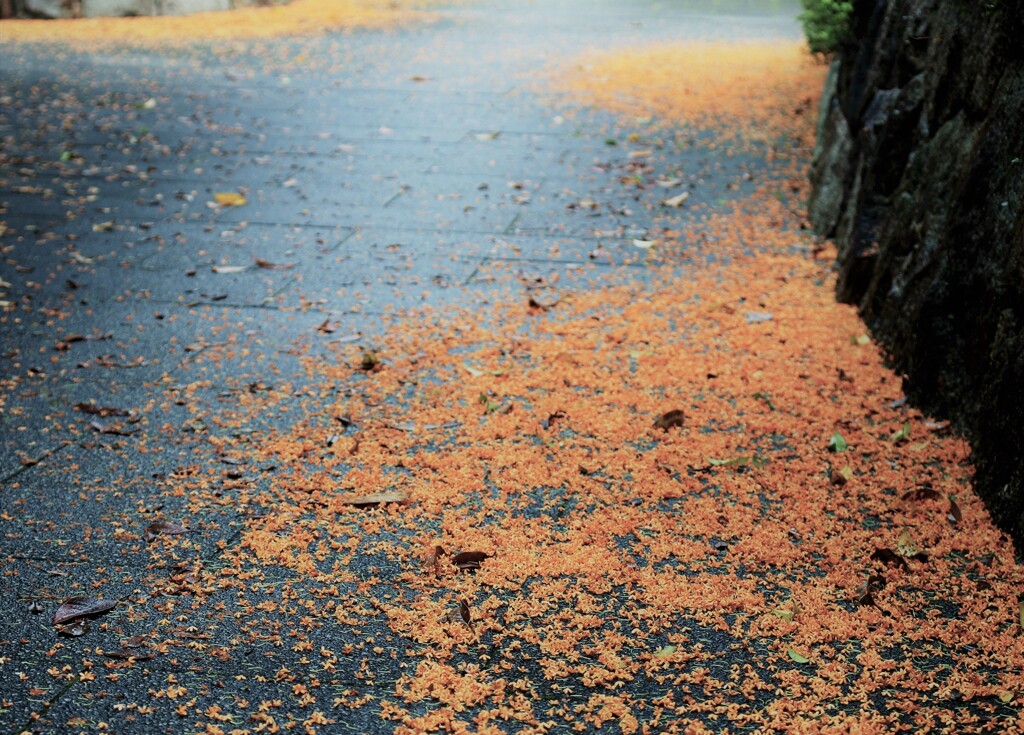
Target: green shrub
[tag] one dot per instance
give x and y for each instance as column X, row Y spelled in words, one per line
column 827, row 24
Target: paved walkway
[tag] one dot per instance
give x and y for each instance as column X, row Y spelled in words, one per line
column 152, row 332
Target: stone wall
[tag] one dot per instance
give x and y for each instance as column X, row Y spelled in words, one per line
column 919, row 178
column 116, row 8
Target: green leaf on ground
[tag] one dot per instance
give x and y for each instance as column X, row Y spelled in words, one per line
column 731, row 462
column 798, row 657
column 902, row 435
column 837, row 443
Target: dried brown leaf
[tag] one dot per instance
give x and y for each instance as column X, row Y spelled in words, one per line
column 954, row 514
column 889, row 557
column 166, row 528
column 922, row 493
column 667, row 420
column 267, row 265
column 467, row 560
column 373, row 499
column 127, row 654
column 101, row 411
column 115, row 428
column 81, row 607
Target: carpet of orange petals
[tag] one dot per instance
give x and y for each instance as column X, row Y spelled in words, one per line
column 297, row 18
column 743, row 91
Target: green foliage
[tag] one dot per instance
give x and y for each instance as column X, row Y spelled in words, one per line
column 827, row 24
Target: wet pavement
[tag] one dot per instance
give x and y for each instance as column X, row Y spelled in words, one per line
column 382, row 172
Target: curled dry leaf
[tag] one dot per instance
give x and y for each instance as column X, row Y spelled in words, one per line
column 164, row 528
column 889, row 557
column 676, row 201
column 907, row 546
column 954, row 514
column 669, row 419
column 467, row 560
column 467, row 618
column 127, row 654
column 544, row 298
column 553, row 418
column 434, row 558
column 81, row 607
column 101, row 411
column 868, row 587
column 842, row 476
column 115, row 428
column 922, row 493
column 369, row 361
column 78, row 628
column 268, row 265
column 374, row 499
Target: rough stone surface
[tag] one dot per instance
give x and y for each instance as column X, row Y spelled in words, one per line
column 120, row 8
column 919, row 177
column 46, row 8
column 185, row 7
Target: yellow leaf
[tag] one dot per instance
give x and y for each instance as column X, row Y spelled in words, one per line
column 784, row 614
column 906, row 545
column 1006, row 696
column 229, row 199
